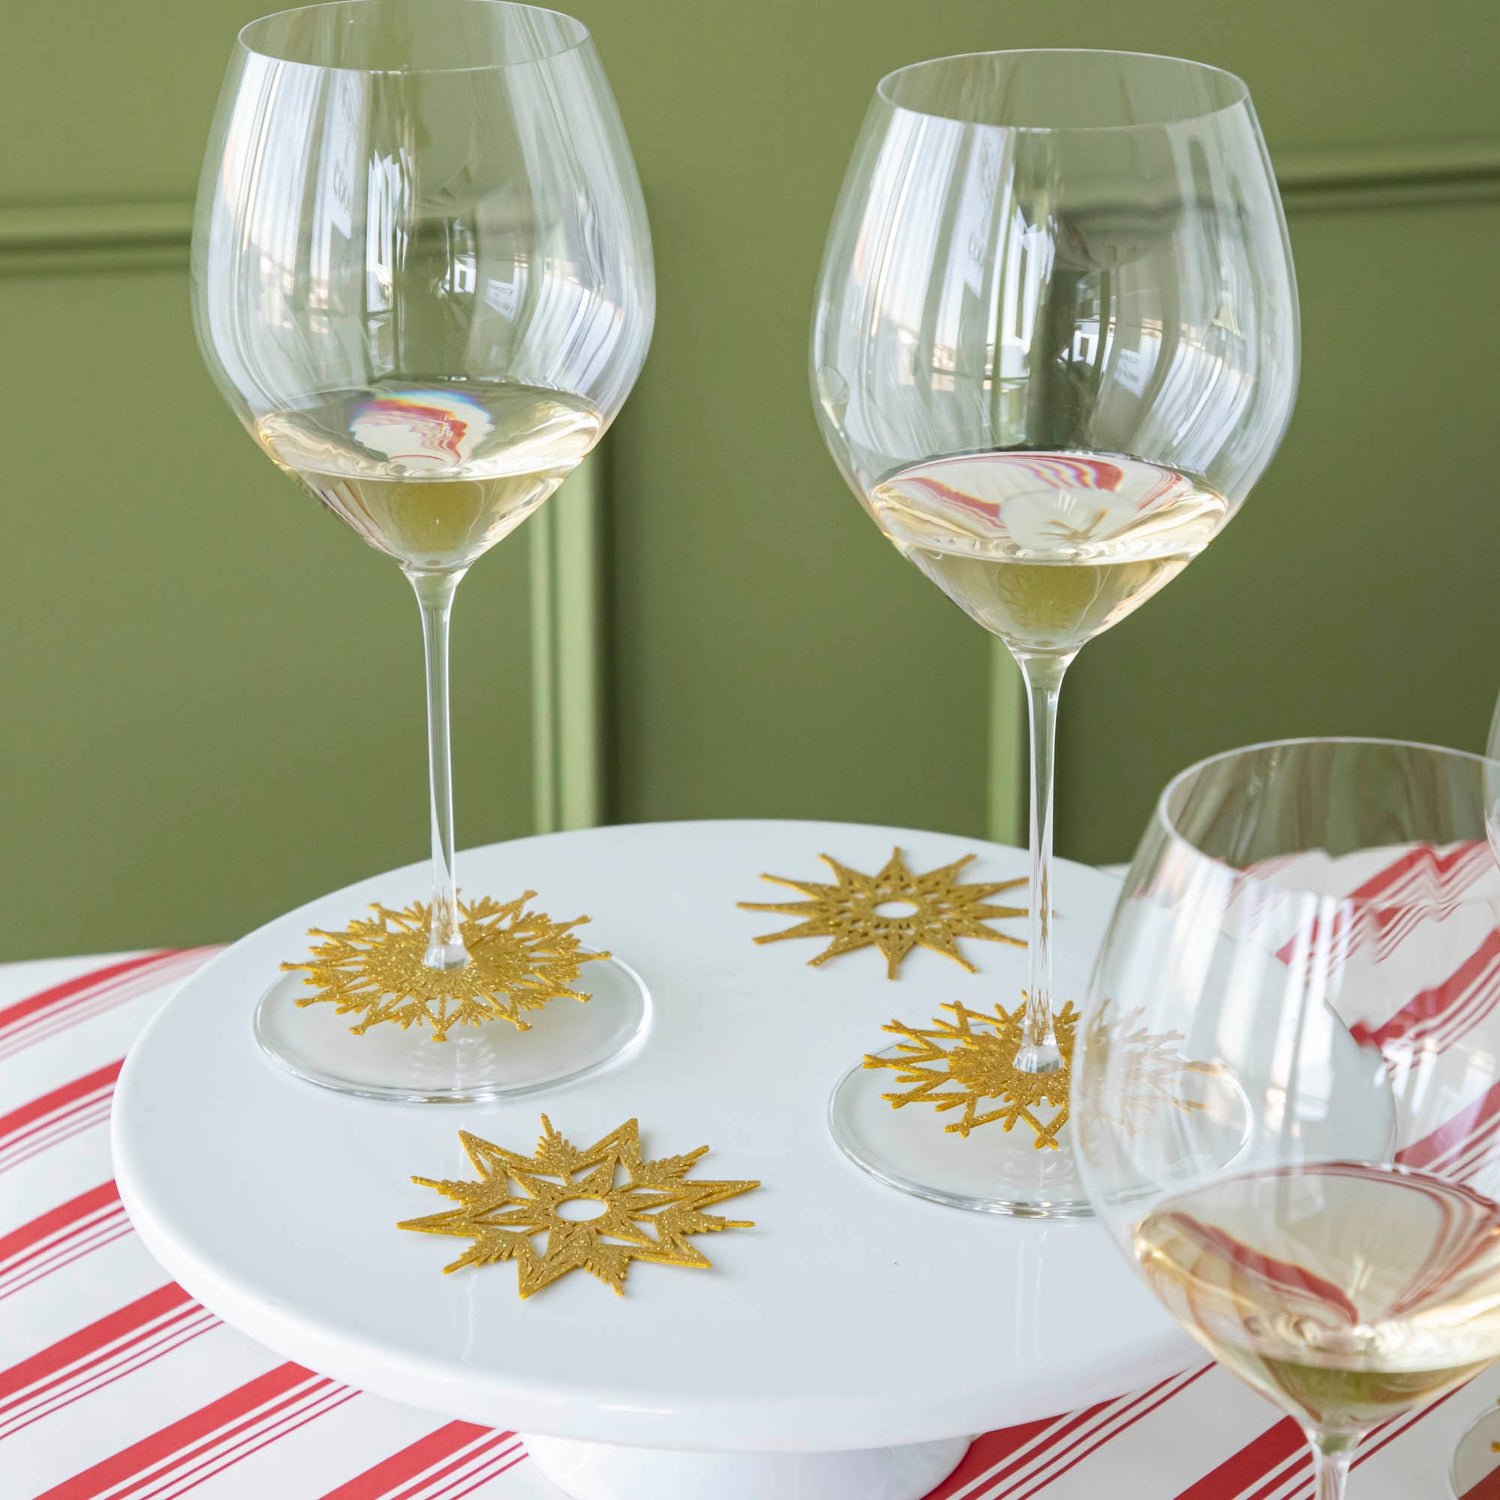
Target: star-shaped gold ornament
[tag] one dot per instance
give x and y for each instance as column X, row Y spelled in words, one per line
column 942, row 911
column 972, row 1058
column 519, row 960
column 646, row 1209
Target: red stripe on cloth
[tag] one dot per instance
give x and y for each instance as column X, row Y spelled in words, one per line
column 1252, row 1462
column 144, row 1349
column 987, row 1451
column 54, row 1131
column 408, row 1462
column 485, row 1477
column 74, row 989
column 11, row 1245
column 1090, row 1445
column 48, row 1104
column 81, row 1242
column 90, row 1339
column 1004, row 1460
column 213, row 1458
column 1488, row 1488
column 475, row 1463
column 1449, row 1138
column 182, row 1439
column 1422, row 1010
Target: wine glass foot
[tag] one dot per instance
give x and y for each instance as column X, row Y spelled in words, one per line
column 565, row 1040
column 991, row 1170
column 1477, row 1456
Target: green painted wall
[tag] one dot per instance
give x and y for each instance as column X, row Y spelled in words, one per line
column 212, row 694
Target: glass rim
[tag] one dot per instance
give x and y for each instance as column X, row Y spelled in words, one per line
column 883, row 89
column 243, row 39
column 1162, row 818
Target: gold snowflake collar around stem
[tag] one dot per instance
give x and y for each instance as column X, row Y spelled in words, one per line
column 847, row 911
column 518, row 961
column 972, row 1058
column 647, row 1209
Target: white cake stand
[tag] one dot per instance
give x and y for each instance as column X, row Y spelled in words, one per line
column 846, row 1348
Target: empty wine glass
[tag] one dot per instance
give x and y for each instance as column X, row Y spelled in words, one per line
column 422, row 279
column 1288, row 1085
column 1054, row 346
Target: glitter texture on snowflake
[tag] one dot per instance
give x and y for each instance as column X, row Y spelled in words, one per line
column 962, row 1063
column 646, row 1210
column 519, row 960
column 848, row 911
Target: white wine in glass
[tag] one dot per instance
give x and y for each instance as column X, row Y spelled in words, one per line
column 434, row 476
column 1345, row 1292
column 1045, row 550
column 1054, row 346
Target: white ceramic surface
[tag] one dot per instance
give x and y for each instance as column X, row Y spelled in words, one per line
column 851, row 1316
column 599, row 1471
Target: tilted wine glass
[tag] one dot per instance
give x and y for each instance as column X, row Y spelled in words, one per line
column 422, row 278
column 1285, row 1095
column 1055, row 343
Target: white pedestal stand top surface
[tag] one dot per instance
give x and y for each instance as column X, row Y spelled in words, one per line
column 852, row 1317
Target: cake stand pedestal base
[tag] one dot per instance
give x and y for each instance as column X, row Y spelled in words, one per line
column 604, row 1471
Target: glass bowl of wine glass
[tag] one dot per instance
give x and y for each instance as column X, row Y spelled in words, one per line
column 1313, row 925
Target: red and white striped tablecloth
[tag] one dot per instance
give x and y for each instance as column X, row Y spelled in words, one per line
column 114, row 1383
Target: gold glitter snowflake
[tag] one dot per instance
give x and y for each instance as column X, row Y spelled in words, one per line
column 972, row 1058
column 848, row 911
column 519, row 960
column 646, row 1209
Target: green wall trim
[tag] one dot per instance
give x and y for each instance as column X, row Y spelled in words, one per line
column 48, row 237
column 1385, row 176
column 54, row 238
column 57, row 238
column 567, row 655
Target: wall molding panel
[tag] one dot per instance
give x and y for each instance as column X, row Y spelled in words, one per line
column 1359, row 177
column 52, row 238
column 61, row 238
column 565, row 567
column 569, row 729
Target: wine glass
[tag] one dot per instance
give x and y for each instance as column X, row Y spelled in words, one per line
column 1286, row 1092
column 422, row 279
column 1054, row 345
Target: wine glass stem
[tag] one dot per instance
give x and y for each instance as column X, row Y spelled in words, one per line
column 1331, row 1458
column 1038, row 1052
column 445, row 948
